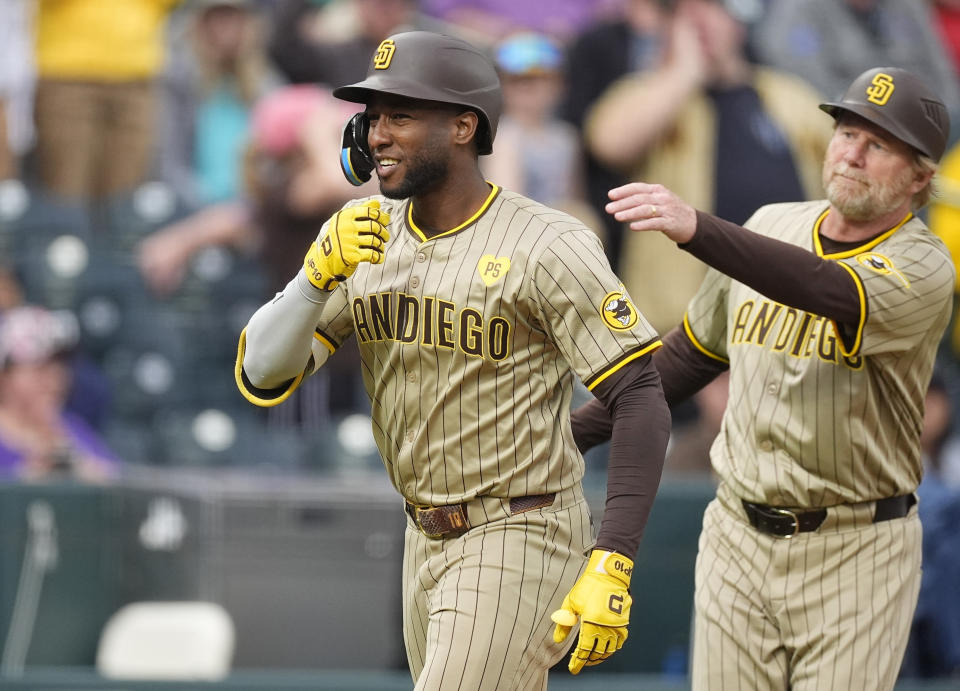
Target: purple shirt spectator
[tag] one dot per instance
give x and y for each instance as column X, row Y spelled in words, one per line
column 561, row 18
column 82, row 440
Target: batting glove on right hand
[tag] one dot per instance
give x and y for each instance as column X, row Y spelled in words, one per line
column 601, row 601
column 355, row 234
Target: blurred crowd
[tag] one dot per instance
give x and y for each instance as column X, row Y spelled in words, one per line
column 164, row 164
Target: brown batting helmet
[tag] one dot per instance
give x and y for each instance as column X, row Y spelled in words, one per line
column 902, row 104
column 434, row 67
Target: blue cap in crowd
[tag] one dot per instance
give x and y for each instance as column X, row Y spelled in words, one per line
column 528, row 53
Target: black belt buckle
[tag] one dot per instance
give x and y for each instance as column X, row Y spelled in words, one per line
column 781, row 522
column 794, row 522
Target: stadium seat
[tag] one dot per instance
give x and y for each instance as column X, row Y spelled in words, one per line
column 131, row 440
column 167, row 641
column 52, row 269
column 146, row 378
column 225, row 437
column 129, row 217
column 37, row 217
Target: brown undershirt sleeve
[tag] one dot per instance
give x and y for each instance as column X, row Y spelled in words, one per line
column 783, row 272
column 683, row 370
column 639, row 424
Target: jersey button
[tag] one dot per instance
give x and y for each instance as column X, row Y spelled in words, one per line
column 766, row 445
column 772, row 389
column 410, row 435
column 421, row 257
column 414, row 282
column 411, row 377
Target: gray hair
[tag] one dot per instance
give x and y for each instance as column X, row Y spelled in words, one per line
column 924, row 164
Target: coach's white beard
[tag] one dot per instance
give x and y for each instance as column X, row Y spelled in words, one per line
column 860, row 199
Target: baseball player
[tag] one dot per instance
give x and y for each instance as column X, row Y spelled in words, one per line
column 828, row 315
column 474, row 308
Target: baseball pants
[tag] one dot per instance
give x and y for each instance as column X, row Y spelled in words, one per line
column 476, row 608
column 829, row 609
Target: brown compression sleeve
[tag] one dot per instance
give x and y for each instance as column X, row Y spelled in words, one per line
column 781, row 271
column 591, row 425
column 640, row 422
column 683, row 370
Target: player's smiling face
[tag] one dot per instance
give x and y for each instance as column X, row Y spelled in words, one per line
column 411, row 142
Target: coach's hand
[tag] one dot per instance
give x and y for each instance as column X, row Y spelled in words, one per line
column 355, row 234
column 600, row 599
column 653, row 207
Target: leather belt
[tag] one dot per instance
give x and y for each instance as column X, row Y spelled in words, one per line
column 440, row 522
column 785, row 523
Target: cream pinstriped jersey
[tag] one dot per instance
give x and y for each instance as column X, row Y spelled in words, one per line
column 469, row 342
column 811, row 420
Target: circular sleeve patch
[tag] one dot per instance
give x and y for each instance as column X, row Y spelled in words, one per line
column 618, row 312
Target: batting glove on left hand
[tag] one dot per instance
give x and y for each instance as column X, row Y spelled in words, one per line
column 601, row 601
column 355, row 234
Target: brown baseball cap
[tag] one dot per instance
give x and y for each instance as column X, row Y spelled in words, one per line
column 434, row 67
column 901, row 103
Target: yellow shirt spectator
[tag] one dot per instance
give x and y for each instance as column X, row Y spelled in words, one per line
column 945, row 220
column 101, row 40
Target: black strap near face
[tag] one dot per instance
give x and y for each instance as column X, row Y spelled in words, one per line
column 356, row 161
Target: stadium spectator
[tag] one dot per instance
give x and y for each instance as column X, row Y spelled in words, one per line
column 95, row 108
column 39, row 438
column 218, row 71
column 293, row 183
column 606, row 50
column 16, row 86
column 728, row 134
column 304, row 55
column 539, row 155
column 829, row 42
column 291, row 180
column 495, row 19
column 90, row 397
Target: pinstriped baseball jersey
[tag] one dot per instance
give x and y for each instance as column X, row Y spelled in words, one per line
column 813, row 419
column 469, row 341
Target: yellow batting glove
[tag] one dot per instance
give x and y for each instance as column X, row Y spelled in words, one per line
column 355, row 234
column 601, row 601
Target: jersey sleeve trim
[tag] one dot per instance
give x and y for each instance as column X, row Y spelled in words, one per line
column 858, row 336
column 698, row 345
column 325, row 339
column 629, row 357
column 265, row 398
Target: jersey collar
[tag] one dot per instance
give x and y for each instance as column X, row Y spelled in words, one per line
column 873, row 242
column 494, row 191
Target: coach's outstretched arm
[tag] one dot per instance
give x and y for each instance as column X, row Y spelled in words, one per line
column 278, row 346
column 783, row 272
